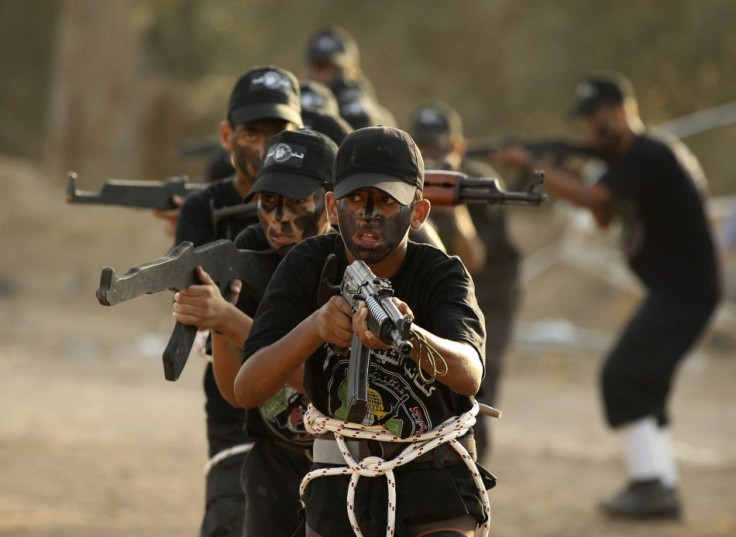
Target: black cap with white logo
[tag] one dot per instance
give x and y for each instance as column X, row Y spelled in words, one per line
column 335, row 127
column 317, row 97
column 600, row 90
column 379, row 157
column 265, row 93
column 333, row 45
column 436, row 123
column 295, row 164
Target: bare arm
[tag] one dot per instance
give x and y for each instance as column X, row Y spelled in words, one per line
column 596, row 197
column 462, row 239
column 464, row 369
column 226, row 357
column 204, row 307
column 269, row 368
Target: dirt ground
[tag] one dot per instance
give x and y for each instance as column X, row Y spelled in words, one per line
column 94, row 441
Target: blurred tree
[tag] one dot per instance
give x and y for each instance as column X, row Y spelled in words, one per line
column 90, row 123
column 161, row 72
column 25, row 41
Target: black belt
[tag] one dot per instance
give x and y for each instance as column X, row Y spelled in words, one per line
column 306, row 451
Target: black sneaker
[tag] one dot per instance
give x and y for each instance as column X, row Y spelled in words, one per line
column 646, row 499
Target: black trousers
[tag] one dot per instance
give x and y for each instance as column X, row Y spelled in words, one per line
column 424, row 493
column 638, row 373
column 224, row 513
column 499, row 302
column 271, row 477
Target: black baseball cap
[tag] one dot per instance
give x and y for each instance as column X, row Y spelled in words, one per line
column 379, row 157
column 333, row 126
column 295, row 164
column 599, row 90
column 265, row 93
column 333, row 45
column 317, row 97
column 436, row 123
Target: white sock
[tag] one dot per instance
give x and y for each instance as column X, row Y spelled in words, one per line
column 640, row 444
column 666, row 458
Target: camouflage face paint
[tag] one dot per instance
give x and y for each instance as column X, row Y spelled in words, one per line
column 372, row 224
column 287, row 221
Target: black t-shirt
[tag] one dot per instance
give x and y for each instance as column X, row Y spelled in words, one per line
column 224, row 422
column 666, row 236
column 441, row 295
column 280, row 416
column 195, row 223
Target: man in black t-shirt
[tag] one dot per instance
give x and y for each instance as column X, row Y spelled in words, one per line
column 378, row 178
column 668, row 245
column 264, row 101
column 291, row 185
column 478, row 233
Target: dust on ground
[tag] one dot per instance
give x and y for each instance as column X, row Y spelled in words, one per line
column 94, row 442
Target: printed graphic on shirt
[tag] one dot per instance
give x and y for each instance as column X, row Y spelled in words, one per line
column 397, row 398
column 283, row 414
column 632, row 232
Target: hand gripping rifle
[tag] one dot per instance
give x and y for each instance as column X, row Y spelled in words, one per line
column 446, row 188
column 177, row 270
column 385, row 320
column 139, row 194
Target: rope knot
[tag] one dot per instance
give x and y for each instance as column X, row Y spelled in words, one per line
column 371, row 467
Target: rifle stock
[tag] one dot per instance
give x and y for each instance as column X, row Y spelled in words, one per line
column 176, row 271
column 136, row 194
column 448, row 188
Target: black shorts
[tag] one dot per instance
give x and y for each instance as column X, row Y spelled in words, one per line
column 225, row 508
column 637, row 375
column 271, row 479
column 424, row 494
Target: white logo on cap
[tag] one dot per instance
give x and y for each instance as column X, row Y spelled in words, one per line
column 327, row 43
column 283, row 152
column 430, row 116
column 586, row 90
column 354, row 108
column 312, row 100
column 271, row 80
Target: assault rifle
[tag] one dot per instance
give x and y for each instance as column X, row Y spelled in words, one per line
column 557, row 150
column 140, row 194
column 453, row 188
column 385, row 320
column 177, row 270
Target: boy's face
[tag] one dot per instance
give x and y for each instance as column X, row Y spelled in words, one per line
column 287, row 221
column 372, row 223
column 246, row 143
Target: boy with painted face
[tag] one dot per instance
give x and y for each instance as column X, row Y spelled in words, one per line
column 291, row 185
column 378, row 178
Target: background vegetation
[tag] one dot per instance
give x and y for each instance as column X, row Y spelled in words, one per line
column 110, row 88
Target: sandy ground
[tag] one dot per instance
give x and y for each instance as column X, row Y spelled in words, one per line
column 94, row 442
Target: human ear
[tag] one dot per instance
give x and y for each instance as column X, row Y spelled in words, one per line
column 419, row 213
column 331, row 207
column 226, row 136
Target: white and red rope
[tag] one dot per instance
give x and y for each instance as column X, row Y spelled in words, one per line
column 447, row 432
